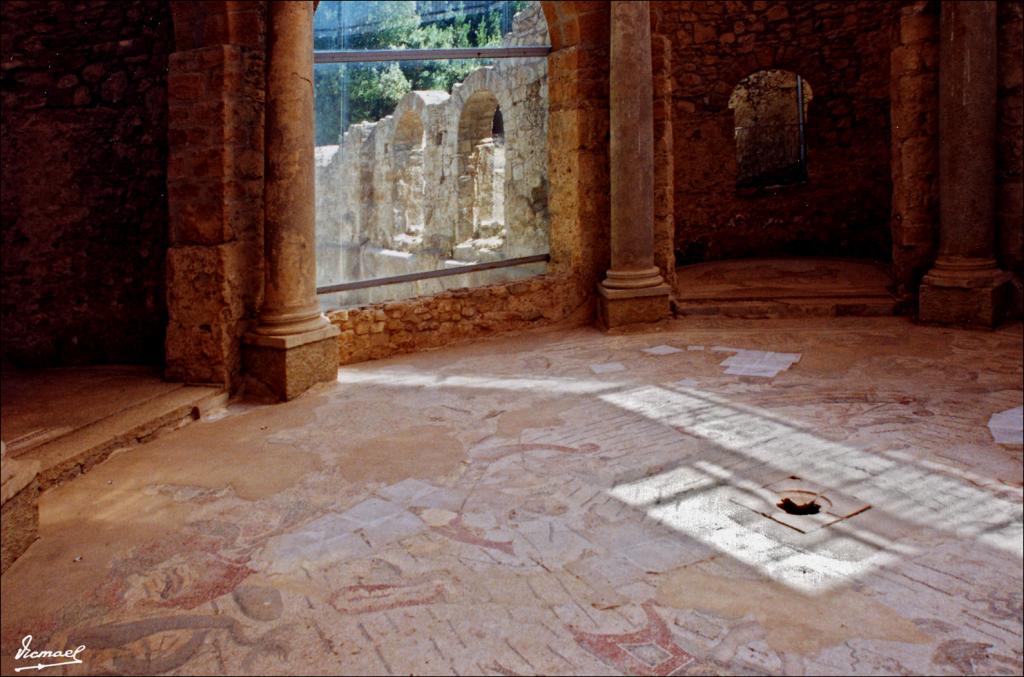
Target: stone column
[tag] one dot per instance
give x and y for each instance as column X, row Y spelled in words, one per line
column 293, row 346
column 633, row 289
column 966, row 286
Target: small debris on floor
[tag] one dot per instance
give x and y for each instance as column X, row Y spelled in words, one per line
column 1007, row 427
column 607, row 367
column 759, row 363
column 662, row 350
column 794, row 508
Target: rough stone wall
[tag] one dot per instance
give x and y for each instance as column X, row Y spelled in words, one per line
column 577, row 147
column 83, row 139
column 1010, row 143
column 430, row 187
column 664, row 174
column 915, row 141
column 842, row 50
column 377, row 331
column 215, row 188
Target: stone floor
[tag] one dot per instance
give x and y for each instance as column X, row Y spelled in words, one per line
column 564, row 502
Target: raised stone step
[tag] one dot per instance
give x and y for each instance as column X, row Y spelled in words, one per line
column 772, row 288
column 796, row 307
column 72, row 452
column 19, row 514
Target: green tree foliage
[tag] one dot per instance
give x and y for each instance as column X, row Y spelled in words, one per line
column 358, row 92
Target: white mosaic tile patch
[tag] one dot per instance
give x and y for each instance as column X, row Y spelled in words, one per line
column 607, row 367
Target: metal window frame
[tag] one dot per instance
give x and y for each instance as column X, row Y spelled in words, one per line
column 800, row 121
column 429, row 274
column 378, row 55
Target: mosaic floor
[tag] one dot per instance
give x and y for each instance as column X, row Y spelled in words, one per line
column 569, row 503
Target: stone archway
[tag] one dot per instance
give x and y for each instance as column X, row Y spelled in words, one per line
column 406, row 159
column 481, row 158
column 769, row 127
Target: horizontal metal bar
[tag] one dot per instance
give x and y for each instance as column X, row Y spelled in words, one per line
column 366, row 55
column 428, row 274
column 774, row 124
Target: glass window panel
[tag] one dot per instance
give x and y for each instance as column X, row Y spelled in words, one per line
column 448, row 172
column 423, row 24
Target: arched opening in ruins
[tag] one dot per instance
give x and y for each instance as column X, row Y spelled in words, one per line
column 407, row 180
column 482, row 164
column 770, row 111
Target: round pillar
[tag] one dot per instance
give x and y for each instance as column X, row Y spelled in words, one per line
column 289, row 299
column 633, row 289
column 293, row 346
column 965, row 286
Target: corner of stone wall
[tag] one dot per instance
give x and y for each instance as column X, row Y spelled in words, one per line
column 1010, row 144
column 664, row 172
column 215, row 199
column 914, row 102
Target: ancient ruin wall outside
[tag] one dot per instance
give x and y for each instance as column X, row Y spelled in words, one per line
column 430, row 187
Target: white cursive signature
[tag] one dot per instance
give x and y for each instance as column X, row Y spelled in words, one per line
column 26, row 653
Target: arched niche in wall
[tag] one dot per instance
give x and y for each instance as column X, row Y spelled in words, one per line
column 408, row 183
column 769, row 128
column 481, row 168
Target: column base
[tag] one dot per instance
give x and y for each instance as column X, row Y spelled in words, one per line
column 289, row 365
column 619, row 307
column 971, row 298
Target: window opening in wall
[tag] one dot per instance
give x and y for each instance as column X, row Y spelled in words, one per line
column 770, row 111
column 431, row 146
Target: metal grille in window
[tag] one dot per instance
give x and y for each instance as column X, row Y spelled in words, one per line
column 770, row 110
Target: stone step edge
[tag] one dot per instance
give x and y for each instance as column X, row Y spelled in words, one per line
column 823, row 307
column 784, row 295
column 20, row 449
column 69, row 456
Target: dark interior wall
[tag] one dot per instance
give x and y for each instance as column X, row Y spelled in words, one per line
column 1010, row 141
column 842, row 50
column 84, row 208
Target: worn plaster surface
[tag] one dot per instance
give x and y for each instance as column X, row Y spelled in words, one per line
column 502, row 508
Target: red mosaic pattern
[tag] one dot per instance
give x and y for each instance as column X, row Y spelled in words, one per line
column 649, row 651
column 368, row 598
column 457, row 531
